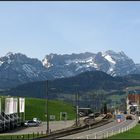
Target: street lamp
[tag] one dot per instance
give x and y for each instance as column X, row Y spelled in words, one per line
column 127, row 100
column 77, row 107
column 47, row 108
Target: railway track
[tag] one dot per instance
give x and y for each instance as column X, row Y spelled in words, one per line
column 85, row 124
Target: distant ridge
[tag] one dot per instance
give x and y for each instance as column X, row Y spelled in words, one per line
column 84, row 82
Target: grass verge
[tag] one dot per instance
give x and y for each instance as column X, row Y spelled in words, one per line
column 133, row 133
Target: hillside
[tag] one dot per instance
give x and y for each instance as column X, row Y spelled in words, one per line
column 87, row 81
column 36, row 108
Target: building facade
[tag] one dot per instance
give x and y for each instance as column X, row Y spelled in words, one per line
column 133, row 103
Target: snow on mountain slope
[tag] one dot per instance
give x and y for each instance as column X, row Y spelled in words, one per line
column 16, row 68
column 113, row 63
column 109, row 58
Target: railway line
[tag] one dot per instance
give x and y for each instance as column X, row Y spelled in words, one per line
column 85, row 124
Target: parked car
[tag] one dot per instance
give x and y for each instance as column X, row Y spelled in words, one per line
column 31, row 123
column 37, row 120
column 81, row 114
column 92, row 115
column 125, row 112
column 129, row 117
column 97, row 114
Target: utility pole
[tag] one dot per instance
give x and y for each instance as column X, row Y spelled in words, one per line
column 47, row 108
column 77, row 107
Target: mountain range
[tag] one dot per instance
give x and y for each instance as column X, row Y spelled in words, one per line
column 17, row 68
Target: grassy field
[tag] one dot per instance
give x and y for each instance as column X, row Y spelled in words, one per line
column 133, row 133
column 37, row 107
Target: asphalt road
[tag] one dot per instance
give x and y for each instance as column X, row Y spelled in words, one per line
column 54, row 125
column 98, row 132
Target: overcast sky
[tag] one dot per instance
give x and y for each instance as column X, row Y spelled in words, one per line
column 39, row 28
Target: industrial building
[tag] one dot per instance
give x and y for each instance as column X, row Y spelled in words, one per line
column 12, row 112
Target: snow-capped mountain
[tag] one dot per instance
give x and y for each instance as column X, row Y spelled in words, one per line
column 115, row 64
column 69, row 65
column 18, row 68
column 120, row 64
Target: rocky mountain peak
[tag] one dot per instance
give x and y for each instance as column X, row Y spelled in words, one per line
column 111, row 62
column 9, row 54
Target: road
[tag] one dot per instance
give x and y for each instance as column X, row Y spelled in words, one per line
column 100, row 131
column 54, row 125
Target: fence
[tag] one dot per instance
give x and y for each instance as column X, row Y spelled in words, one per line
column 110, row 131
column 24, row 136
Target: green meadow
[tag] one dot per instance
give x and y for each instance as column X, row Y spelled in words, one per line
column 35, row 107
column 133, row 133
